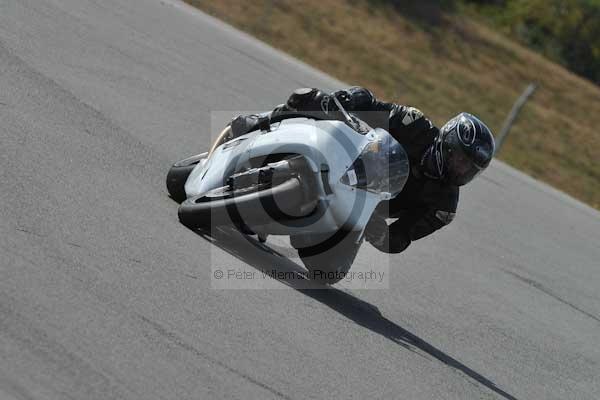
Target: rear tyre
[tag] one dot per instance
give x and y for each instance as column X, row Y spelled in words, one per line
column 178, row 174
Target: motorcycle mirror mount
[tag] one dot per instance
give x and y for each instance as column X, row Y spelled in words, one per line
column 349, row 119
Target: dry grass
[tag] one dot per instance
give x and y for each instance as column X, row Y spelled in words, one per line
column 459, row 65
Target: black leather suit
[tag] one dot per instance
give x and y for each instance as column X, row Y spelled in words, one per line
column 426, row 203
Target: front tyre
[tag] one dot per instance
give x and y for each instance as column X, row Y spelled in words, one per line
column 178, row 174
column 330, row 261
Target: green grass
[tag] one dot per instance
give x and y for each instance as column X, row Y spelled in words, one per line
column 442, row 64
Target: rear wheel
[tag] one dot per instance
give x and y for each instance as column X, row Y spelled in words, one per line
column 178, row 174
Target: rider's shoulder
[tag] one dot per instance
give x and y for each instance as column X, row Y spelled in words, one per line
column 408, row 115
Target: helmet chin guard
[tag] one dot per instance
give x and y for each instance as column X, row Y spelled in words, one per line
column 431, row 163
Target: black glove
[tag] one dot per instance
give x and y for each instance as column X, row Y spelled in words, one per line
column 344, row 97
column 356, row 98
column 306, row 99
column 244, row 124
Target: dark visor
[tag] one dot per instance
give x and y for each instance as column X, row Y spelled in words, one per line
column 460, row 169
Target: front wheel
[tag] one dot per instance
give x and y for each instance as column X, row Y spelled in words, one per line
column 330, row 261
column 178, row 174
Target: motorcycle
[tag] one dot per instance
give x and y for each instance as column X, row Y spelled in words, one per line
column 317, row 180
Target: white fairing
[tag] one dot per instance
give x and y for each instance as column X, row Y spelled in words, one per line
column 322, row 143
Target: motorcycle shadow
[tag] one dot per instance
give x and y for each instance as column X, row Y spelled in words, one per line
column 264, row 257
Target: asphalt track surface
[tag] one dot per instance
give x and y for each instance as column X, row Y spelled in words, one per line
column 104, row 295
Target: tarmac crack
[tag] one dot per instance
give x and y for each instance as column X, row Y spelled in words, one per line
column 180, row 342
column 550, row 293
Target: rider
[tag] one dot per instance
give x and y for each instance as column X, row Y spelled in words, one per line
column 441, row 159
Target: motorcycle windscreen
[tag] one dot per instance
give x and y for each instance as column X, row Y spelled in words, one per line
column 381, row 167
